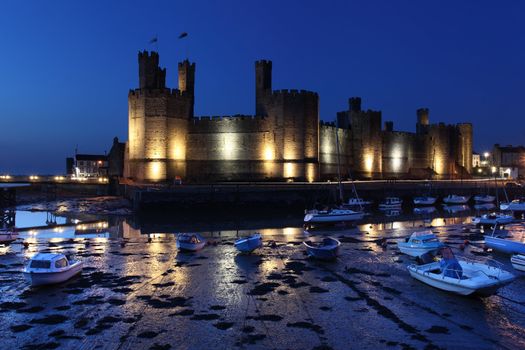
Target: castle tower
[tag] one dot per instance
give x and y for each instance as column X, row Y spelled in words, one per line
column 355, row 104
column 422, row 121
column 151, row 76
column 187, row 81
column 263, row 85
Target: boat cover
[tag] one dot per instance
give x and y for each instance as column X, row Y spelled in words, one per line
column 450, row 265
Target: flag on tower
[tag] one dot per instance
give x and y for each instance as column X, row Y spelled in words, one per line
column 183, row 35
column 153, row 40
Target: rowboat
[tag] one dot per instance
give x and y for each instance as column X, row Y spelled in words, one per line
column 327, row 249
column 51, row 268
column 191, row 242
column 249, row 244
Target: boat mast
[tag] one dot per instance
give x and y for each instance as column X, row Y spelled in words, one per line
column 338, row 162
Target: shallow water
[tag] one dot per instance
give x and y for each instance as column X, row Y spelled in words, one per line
column 137, row 291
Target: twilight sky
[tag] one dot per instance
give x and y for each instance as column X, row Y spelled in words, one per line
column 66, row 66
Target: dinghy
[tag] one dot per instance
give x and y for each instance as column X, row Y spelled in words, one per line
column 461, row 277
column 249, row 244
column 332, row 215
column 7, row 236
column 455, row 199
column 51, row 268
column 424, row 200
column 484, row 198
column 492, row 219
column 420, row 243
column 518, row 262
column 327, row 249
column 191, row 242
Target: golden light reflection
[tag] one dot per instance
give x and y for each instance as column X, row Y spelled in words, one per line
column 269, row 153
column 310, row 172
column 369, row 162
column 156, row 170
column 290, row 170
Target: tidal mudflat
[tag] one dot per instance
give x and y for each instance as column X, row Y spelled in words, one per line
column 138, row 292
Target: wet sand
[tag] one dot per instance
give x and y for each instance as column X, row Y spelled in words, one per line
column 135, row 294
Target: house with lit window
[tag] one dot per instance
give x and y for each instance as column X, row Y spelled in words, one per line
column 509, row 161
column 90, row 165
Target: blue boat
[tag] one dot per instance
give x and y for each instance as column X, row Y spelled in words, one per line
column 191, row 242
column 249, row 244
column 504, row 245
column 420, row 243
column 327, row 249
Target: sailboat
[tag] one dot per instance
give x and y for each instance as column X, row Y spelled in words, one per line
column 339, row 214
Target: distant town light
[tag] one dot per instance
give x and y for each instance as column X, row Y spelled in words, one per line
column 486, row 154
column 493, row 169
column 479, row 170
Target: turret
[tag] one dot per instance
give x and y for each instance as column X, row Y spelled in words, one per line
column 151, row 76
column 263, row 84
column 422, row 121
column 187, row 77
column 354, row 104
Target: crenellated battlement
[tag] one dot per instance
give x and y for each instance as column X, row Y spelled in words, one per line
column 294, row 93
column 136, row 93
column 263, row 62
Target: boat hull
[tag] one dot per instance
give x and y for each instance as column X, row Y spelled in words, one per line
column 483, row 280
column 327, row 218
column 328, row 252
column 414, row 251
column 424, row 200
column 249, row 244
column 504, row 245
column 484, row 199
column 456, row 200
column 518, row 262
column 48, row 278
column 190, row 247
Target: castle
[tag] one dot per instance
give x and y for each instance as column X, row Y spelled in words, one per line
column 285, row 139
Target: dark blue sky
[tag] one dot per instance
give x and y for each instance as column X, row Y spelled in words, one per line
column 66, row 66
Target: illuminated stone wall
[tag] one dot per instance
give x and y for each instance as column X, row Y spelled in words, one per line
column 328, row 151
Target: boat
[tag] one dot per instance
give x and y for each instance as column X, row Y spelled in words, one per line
column 51, row 268
column 492, row 219
column 515, row 205
column 424, row 200
column 518, row 262
column 391, row 203
column 327, row 249
column 484, row 198
column 249, row 244
column 332, row 215
column 8, row 236
column 461, row 276
column 484, row 206
column 191, row 242
column 503, row 245
column 419, row 243
column 455, row 199
column 357, row 202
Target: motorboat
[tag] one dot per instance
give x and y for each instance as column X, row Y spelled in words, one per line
column 492, row 219
column 249, row 244
column 419, row 243
column 332, row 215
column 505, row 246
column 391, row 203
column 424, row 200
column 453, row 209
column 515, row 205
column 424, row 210
column 51, row 268
column 461, row 276
column 518, row 262
column 191, row 242
column 8, row 236
column 357, row 202
column 327, row 249
column 484, row 206
column 455, row 199
column 484, row 198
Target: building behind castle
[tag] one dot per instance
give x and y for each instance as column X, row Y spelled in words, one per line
column 285, row 139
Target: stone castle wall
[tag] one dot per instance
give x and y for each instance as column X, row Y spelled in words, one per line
column 284, row 140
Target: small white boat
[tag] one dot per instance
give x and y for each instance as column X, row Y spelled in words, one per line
column 391, row 203
column 7, row 236
column 332, row 215
column 51, row 268
column 460, row 276
column 357, row 202
column 327, row 249
column 249, row 244
column 420, row 243
column 455, row 199
column 424, row 200
column 492, row 219
column 518, row 262
column 191, row 242
column 484, row 198
column 515, row 205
